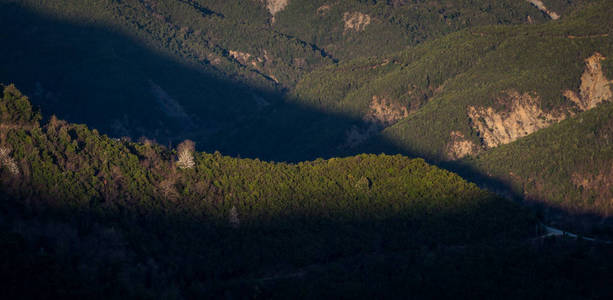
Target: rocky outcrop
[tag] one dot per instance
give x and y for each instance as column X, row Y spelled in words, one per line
column 260, row 64
column 541, row 6
column 356, row 21
column 459, row 147
column 323, row 10
column 275, row 6
column 525, row 115
column 6, row 161
column 502, row 127
column 245, row 58
column 384, row 113
column 595, row 87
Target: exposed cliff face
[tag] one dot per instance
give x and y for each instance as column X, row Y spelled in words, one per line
column 261, row 64
column 595, row 87
column 275, row 6
column 523, row 118
column 384, row 112
column 459, row 147
column 245, row 58
column 525, row 115
column 356, row 21
column 541, row 6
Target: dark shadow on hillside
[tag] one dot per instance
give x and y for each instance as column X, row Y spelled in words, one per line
column 61, row 253
column 166, row 250
column 114, row 83
column 586, row 223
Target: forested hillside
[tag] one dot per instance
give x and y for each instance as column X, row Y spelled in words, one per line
column 567, row 167
column 84, row 215
column 65, row 186
column 470, row 92
column 216, row 71
column 194, row 149
column 431, row 97
column 251, row 79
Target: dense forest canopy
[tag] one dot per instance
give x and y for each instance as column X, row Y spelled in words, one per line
column 306, row 149
column 216, row 72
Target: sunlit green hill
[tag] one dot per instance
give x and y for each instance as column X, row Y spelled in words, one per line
column 77, row 168
column 252, row 79
column 472, row 92
column 378, row 149
column 84, row 215
column 229, row 220
column 422, row 97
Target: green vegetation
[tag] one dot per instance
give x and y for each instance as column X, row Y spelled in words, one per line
column 394, row 25
column 568, row 166
column 16, row 109
column 439, row 80
column 157, row 61
column 297, row 41
column 89, row 171
column 215, row 72
column 86, row 215
column 220, row 225
column 89, row 216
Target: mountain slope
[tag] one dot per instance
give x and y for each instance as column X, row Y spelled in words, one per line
column 160, row 216
column 470, row 92
column 521, row 106
column 213, row 71
column 429, row 90
column 567, row 166
column 79, row 167
column 83, row 215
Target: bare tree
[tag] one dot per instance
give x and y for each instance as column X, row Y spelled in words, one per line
column 185, row 154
